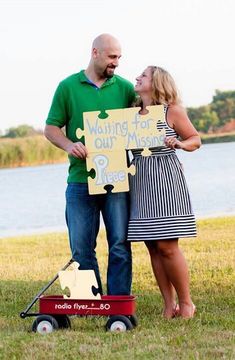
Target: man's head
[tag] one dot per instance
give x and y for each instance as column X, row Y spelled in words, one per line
column 106, row 52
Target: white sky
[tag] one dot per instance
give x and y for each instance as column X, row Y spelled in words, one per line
column 42, row 42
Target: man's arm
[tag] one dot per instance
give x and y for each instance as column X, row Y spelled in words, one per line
column 56, row 136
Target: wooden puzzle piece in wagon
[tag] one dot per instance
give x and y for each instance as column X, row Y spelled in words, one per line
column 82, row 284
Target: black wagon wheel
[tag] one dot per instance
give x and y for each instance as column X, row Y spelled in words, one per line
column 45, row 324
column 134, row 320
column 63, row 321
column 119, row 323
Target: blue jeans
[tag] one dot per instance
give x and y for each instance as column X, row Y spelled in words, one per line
column 83, row 221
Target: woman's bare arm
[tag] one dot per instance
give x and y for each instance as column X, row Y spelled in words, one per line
column 178, row 119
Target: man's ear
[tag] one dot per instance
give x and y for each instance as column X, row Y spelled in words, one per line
column 94, row 52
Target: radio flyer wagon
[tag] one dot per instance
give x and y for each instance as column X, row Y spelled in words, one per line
column 54, row 310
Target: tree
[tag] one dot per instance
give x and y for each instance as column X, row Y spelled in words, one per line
column 223, row 104
column 213, row 116
column 20, row 131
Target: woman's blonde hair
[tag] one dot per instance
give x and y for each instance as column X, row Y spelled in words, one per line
column 164, row 87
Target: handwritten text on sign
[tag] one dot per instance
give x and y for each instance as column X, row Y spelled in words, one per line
column 123, row 129
column 107, row 133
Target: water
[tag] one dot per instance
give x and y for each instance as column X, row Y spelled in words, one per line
column 32, row 198
column 210, row 174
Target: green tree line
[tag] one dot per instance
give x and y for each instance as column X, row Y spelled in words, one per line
column 206, row 118
column 20, row 131
column 23, row 145
column 212, row 117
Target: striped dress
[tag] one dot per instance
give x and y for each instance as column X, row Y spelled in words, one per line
column 160, row 206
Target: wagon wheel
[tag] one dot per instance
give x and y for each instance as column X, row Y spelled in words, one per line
column 63, row 321
column 119, row 323
column 45, row 324
column 134, row 320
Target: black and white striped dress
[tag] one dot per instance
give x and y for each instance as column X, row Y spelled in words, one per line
column 160, row 206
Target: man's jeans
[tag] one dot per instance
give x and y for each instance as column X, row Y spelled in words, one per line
column 83, row 220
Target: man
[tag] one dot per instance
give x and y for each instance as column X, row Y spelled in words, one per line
column 96, row 88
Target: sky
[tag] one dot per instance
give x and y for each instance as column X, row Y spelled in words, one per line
column 43, row 42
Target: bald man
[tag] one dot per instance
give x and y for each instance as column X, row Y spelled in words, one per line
column 96, row 88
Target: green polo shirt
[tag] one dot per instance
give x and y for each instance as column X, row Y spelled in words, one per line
column 75, row 95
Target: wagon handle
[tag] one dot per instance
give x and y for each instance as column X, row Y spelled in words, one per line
column 23, row 314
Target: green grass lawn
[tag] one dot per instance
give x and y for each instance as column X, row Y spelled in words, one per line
column 28, row 263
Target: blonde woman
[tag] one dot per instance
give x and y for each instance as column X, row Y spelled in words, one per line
column 161, row 210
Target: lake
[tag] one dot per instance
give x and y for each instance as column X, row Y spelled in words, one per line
column 32, row 198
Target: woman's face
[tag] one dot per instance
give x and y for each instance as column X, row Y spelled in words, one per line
column 144, row 82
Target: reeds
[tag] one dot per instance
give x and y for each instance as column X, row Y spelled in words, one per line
column 28, row 151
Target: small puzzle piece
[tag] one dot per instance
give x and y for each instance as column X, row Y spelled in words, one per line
column 111, row 169
column 81, row 283
column 104, row 134
column 123, row 129
column 143, row 132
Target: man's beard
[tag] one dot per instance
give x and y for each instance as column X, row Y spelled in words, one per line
column 107, row 74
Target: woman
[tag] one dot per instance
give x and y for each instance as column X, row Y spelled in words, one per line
column 161, row 210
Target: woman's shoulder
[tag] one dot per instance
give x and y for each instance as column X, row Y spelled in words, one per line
column 176, row 114
column 176, row 109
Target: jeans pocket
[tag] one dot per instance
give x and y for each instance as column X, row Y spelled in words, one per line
column 76, row 189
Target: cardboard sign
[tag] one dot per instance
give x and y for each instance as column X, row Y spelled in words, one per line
column 108, row 139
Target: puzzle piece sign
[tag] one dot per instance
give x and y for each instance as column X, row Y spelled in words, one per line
column 108, row 139
column 111, row 169
column 82, row 284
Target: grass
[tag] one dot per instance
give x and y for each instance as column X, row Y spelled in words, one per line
column 28, row 263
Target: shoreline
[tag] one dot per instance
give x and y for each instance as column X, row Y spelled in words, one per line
column 57, row 156
column 63, row 229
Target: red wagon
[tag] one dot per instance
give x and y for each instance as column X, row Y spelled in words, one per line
column 54, row 310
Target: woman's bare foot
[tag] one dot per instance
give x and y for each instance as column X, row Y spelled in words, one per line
column 176, row 310
column 187, row 311
column 171, row 312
